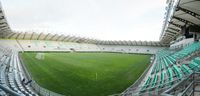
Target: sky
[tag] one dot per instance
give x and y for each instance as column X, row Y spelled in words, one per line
column 97, row 19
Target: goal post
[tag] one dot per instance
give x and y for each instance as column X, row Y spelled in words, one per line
column 40, row 56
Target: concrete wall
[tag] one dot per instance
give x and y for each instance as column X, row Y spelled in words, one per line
column 38, row 45
column 182, row 43
column 130, row 49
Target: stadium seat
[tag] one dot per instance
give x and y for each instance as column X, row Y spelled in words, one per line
column 194, row 66
column 170, row 75
column 155, row 79
column 186, row 69
column 162, row 79
column 178, row 72
column 146, row 84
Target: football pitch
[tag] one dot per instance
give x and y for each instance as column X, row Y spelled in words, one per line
column 86, row 74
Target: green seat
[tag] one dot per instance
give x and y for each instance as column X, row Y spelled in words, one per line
column 194, row 66
column 162, row 79
column 153, row 69
column 146, row 84
column 170, row 62
column 154, row 81
column 172, row 59
column 185, row 69
column 177, row 72
column 197, row 60
column 165, row 62
column 170, row 75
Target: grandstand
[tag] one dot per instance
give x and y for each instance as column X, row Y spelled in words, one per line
column 174, row 70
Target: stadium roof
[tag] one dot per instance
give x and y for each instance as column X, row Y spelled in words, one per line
column 179, row 13
column 4, row 27
column 68, row 38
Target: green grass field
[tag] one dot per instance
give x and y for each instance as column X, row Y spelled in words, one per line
column 86, row 74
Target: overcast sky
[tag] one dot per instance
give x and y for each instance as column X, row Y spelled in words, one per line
column 100, row 19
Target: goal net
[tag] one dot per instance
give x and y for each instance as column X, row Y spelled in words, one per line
column 40, row 56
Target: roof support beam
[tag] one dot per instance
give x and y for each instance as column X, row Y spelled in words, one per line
column 177, row 25
column 183, row 20
column 87, row 40
column 5, row 33
column 52, row 37
column 132, row 43
column 68, row 39
column 177, row 30
column 117, row 43
column 24, row 35
column 124, row 42
column 18, row 35
column 156, row 44
column 172, row 34
column 73, row 39
column 3, row 23
column 32, row 35
column 58, row 37
column 4, row 30
column 3, row 26
column 39, row 36
column 101, row 42
column 65, row 38
column 97, row 42
column 167, row 40
column 171, row 31
column 112, row 43
column 11, row 34
column 2, row 17
column 189, row 12
column 46, row 36
column 136, row 43
column 80, row 40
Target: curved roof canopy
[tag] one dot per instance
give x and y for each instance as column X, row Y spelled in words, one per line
column 179, row 13
column 4, row 27
column 68, row 38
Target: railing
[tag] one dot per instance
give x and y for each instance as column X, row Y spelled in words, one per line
column 156, row 90
column 37, row 88
column 187, row 87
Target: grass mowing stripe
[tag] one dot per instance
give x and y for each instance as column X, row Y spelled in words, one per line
column 86, row 74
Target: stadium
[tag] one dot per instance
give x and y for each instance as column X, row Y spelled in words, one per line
column 48, row 64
